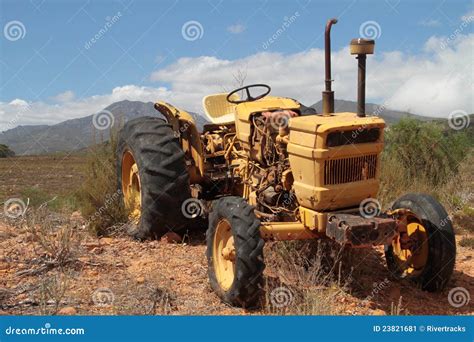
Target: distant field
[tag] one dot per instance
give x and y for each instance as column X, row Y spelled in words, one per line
column 40, row 178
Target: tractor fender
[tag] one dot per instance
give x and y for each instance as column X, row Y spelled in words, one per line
column 185, row 128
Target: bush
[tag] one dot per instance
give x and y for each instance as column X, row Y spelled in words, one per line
column 99, row 198
column 426, row 149
column 5, row 151
column 421, row 156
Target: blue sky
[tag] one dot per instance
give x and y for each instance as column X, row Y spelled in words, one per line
column 50, row 64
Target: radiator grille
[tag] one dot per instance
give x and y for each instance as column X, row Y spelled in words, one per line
column 346, row 170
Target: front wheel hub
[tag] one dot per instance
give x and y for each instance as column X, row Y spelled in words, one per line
column 410, row 248
column 131, row 188
column 224, row 254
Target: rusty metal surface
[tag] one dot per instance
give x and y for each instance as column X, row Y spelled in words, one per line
column 361, row 85
column 328, row 94
column 358, row 231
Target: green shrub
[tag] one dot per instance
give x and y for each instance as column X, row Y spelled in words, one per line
column 5, row 151
column 100, row 200
column 427, row 150
column 422, row 156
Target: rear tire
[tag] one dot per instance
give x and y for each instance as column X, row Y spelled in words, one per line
column 440, row 239
column 244, row 284
column 163, row 177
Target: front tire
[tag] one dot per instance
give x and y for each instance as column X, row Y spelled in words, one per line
column 235, row 252
column 152, row 176
column 429, row 260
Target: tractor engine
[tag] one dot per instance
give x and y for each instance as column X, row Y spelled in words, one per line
column 271, row 178
column 320, row 162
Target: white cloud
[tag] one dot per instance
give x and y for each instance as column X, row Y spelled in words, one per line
column 19, row 112
column 435, row 83
column 236, row 28
column 66, row 96
column 17, row 103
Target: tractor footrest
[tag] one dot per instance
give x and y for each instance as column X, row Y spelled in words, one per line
column 358, row 231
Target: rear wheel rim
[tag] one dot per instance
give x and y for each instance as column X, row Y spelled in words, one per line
column 131, row 188
column 224, row 254
column 410, row 247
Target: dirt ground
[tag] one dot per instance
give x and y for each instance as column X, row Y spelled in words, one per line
column 52, row 175
column 51, row 264
column 122, row 276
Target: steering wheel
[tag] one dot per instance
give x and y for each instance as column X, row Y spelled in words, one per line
column 249, row 98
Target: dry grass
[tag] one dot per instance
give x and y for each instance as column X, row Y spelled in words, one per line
column 51, row 292
column 153, row 297
column 55, row 241
column 305, row 277
column 100, row 200
column 467, row 242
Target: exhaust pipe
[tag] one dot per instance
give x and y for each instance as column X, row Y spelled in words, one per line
column 361, row 47
column 328, row 94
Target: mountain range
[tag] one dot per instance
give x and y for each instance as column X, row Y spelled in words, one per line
column 76, row 134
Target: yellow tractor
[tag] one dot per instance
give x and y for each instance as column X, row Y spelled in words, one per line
column 269, row 168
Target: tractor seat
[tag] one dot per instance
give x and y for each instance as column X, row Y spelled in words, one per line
column 218, row 110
